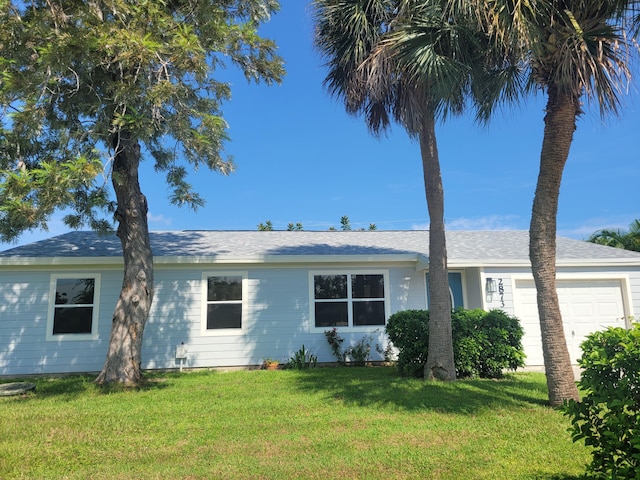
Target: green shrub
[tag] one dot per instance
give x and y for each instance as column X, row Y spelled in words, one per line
column 408, row 331
column 608, row 416
column 484, row 343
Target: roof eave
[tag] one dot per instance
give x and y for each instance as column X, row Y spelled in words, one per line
column 420, row 261
column 213, row 259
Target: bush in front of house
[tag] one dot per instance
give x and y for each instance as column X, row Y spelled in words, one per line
column 484, row 343
column 608, row 416
column 408, row 331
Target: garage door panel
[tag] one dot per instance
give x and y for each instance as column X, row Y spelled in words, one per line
column 608, row 310
column 581, row 310
column 586, row 306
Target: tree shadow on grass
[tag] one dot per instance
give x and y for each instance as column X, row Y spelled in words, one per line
column 366, row 386
column 558, row 477
column 70, row 387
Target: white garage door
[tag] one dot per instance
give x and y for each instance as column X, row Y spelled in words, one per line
column 586, row 306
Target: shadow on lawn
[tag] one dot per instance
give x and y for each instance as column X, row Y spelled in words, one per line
column 558, row 477
column 73, row 386
column 366, row 386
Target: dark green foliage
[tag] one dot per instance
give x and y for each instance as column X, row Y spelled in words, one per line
column 409, row 332
column 608, row 416
column 627, row 240
column 484, row 343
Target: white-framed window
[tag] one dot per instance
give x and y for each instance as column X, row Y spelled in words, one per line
column 73, row 306
column 224, row 296
column 351, row 299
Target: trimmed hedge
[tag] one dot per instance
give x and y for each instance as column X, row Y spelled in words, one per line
column 608, row 416
column 484, row 343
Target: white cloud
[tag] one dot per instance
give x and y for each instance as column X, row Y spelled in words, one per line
column 491, row 222
column 159, row 221
column 592, row 225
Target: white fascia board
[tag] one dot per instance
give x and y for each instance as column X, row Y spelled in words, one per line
column 602, row 262
column 58, row 261
column 421, row 261
column 285, row 259
column 212, row 259
column 591, row 262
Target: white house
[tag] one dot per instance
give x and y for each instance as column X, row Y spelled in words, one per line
column 233, row 298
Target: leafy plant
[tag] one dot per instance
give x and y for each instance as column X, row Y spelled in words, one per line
column 409, row 332
column 387, row 352
column 484, row 343
column 359, row 352
column 335, row 342
column 608, row 416
column 302, row 359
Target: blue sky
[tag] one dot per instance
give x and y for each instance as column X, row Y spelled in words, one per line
column 300, row 158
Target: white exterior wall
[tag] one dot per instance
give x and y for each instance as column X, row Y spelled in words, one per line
column 276, row 322
column 24, row 310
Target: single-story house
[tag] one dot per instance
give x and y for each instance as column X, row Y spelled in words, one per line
column 234, row 298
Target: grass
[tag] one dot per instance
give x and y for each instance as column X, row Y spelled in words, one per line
column 326, row 423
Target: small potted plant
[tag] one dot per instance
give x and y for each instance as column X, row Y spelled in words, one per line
column 270, row 364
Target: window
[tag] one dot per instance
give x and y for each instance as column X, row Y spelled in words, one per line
column 224, row 294
column 73, row 307
column 349, row 299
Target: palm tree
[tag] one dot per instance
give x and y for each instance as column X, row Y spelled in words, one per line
column 573, row 49
column 370, row 45
column 629, row 240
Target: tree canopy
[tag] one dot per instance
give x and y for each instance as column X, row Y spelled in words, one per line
column 573, row 51
column 619, row 238
column 75, row 73
column 91, row 89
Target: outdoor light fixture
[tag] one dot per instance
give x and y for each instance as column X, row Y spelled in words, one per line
column 491, row 286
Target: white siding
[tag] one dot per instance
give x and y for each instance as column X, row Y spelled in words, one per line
column 24, row 348
column 276, row 325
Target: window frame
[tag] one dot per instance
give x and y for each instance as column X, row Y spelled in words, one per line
column 205, row 302
column 350, row 327
column 95, row 313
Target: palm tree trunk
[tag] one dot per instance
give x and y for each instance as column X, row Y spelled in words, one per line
column 560, row 123
column 440, row 362
column 132, row 310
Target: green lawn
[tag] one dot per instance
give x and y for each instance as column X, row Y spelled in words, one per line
column 326, row 423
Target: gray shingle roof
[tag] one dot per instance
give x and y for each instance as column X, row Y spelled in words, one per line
column 463, row 247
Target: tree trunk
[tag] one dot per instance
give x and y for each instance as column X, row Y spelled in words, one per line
column 130, row 316
column 560, row 123
column 440, row 363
